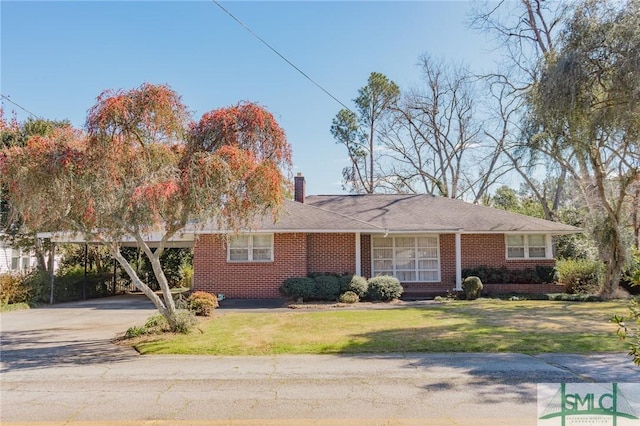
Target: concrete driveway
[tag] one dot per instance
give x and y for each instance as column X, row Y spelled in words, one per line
column 70, row 333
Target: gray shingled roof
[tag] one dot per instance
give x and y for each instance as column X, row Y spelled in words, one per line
column 373, row 213
column 398, row 213
column 296, row 216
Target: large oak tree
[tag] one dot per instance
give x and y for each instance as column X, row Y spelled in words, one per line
column 586, row 108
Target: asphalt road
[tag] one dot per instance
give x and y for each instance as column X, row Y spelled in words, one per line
column 59, row 367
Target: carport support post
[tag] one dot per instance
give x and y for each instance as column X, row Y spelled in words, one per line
column 459, row 260
column 52, row 253
column 115, row 271
column 84, row 277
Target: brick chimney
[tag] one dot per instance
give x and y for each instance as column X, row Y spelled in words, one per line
column 298, row 188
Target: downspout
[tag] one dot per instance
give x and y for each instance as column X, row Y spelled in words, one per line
column 459, row 260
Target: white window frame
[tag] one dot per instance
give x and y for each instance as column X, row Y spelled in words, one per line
column 416, row 269
column 547, row 247
column 20, row 260
column 250, row 249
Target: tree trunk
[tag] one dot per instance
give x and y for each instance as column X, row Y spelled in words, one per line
column 635, row 206
column 617, row 254
column 371, row 185
column 40, row 255
column 615, row 265
column 167, row 310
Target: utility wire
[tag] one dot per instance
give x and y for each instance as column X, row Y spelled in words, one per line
column 7, row 98
column 279, row 54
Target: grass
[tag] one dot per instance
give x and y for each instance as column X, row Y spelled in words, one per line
column 485, row 325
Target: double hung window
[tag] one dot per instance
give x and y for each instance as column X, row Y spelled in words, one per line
column 527, row 246
column 250, row 248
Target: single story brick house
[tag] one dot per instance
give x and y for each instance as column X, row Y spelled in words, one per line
column 425, row 241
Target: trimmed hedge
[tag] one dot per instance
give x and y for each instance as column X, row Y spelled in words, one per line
column 323, row 286
column 542, row 274
column 298, row 288
column 327, row 287
column 384, row 288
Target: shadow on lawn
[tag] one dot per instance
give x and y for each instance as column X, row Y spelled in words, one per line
column 468, row 335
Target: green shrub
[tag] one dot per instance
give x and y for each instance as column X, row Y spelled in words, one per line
column 502, row 275
column 39, row 283
column 69, row 285
column 158, row 324
column 172, row 261
column 14, row 288
column 384, row 288
column 323, row 286
column 349, row 297
column 186, row 270
column 202, row 303
column 580, row 276
column 344, row 280
column 564, row 297
column 357, row 285
column 546, row 274
column 629, row 330
column 297, row 288
column 327, row 287
column 135, row 331
column 185, row 320
column 523, row 276
column 472, row 287
column 488, row 274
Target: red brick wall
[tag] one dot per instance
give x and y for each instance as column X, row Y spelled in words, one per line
column 212, row 272
column 295, row 255
column 490, row 250
column 331, row 253
column 448, row 260
column 477, row 250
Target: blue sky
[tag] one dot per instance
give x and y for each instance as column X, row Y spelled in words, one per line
column 57, row 57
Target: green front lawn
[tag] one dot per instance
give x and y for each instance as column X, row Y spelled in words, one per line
column 480, row 326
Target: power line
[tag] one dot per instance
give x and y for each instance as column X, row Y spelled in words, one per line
column 279, row 54
column 19, row 106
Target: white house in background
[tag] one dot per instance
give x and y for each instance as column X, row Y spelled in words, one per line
column 15, row 260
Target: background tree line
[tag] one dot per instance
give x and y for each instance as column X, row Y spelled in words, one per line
column 559, row 115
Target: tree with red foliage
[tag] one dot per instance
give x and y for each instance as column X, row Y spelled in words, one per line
column 143, row 166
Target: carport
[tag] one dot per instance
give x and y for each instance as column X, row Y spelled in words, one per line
column 183, row 240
